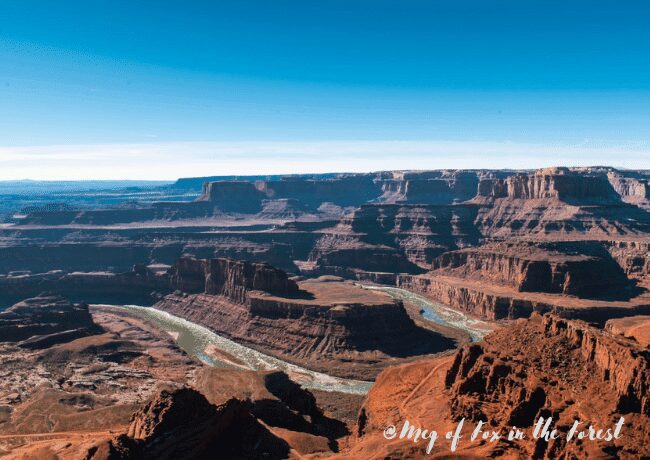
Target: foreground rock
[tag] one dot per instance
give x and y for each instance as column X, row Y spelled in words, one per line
column 541, row 367
column 325, row 324
column 229, row 414
column 129, row 392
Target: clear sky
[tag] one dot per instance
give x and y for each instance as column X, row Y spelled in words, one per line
column 162, row 89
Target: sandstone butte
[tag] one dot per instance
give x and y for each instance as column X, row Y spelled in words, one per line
column 558, row 260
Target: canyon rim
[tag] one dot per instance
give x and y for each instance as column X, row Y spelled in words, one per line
column 309, row 230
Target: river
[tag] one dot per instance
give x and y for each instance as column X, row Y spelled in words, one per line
column 437, row 312
column 195, row 340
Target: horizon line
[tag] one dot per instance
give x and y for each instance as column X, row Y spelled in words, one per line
column 168, row 161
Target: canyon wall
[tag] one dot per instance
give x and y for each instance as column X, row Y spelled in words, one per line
column 583, row 269
column 321, row 324
column 544, row 366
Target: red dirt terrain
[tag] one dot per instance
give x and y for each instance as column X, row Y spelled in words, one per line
column 557, row 261
column 541, row 367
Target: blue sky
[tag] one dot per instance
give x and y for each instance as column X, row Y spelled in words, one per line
column 161, row 89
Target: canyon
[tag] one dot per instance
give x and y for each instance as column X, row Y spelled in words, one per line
column 555, row 262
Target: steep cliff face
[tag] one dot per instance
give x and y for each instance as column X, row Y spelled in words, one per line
column 583, row 269
column 541, row 367
column 632, row 186
column 556, row 202
column 395, row 238
column 632, row 256
column 344, row 190
column 488, row 300
column 229, row 278
column 234, row 278
column 559, row 183
column 327, row 325
column 233, row 196
column 429, row 187
column 472, row 299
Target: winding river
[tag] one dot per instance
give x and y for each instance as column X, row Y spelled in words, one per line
column 437, row 312
column 195, row 340
column 198, row 341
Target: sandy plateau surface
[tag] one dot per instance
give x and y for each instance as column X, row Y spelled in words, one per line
column 84, row 389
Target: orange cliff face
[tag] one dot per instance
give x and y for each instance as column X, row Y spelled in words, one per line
column 324, row 324
column 541, row 367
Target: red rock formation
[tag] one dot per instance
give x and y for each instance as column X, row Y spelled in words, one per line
column 329, row 326
column 230, row 278
column 181, row 423
column 583, row 269
column 541, row 367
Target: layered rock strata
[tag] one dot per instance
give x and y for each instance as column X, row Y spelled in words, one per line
column 324, row 324
column 541, row 367
column 489, row 301
column 583, row 269
column 394, row 238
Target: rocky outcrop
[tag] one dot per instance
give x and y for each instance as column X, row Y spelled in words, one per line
column 181, row 423
column 325, row 324
column 545, row 366
column 394, row 238
column 230, row 414
column 616, row 364
column 583, row 269
column 47, row 320
column 229, row 278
